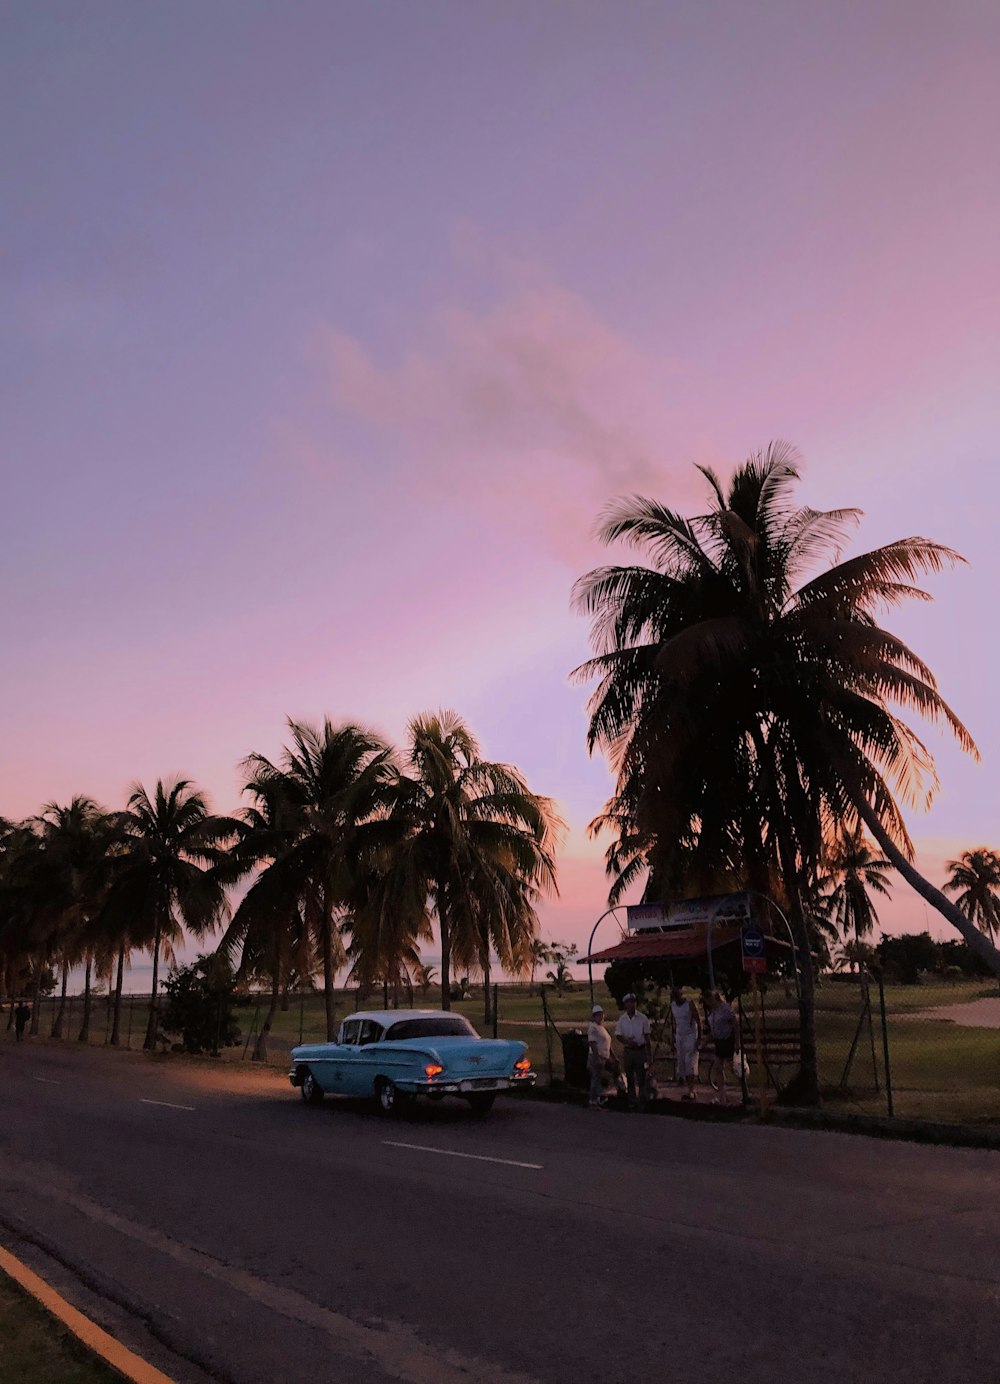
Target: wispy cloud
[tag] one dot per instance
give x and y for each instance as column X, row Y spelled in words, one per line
column 535, row 400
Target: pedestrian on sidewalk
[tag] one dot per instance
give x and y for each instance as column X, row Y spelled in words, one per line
column 598, row 1057
column 632, row 1031
column 687, row 1035
column 22, row 1016
column 722, row 1027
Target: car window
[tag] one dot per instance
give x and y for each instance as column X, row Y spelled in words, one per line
column 371, row 1032
column 349, row 1033
column 434, row 1026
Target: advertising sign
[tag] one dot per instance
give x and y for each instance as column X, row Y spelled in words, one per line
column 720, row 909
column 753, row 949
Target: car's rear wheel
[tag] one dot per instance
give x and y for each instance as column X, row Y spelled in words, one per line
column 390, row 1100
column 311, row 1090
column 482, row 1104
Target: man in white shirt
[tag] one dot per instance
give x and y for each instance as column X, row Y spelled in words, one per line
column 632, row 1031
column 598, row 1056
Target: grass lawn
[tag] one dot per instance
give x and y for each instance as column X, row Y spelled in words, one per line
column 34, row 1349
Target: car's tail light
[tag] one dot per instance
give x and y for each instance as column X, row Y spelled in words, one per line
column 523, row 1066
column 432, row 1069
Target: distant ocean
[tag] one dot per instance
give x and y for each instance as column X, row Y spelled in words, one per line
column 139, row 976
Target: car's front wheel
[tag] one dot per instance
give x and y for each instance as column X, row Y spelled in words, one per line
column 312, row 1091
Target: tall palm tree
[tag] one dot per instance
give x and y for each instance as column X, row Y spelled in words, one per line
column 31, row 909
column 80, row 840
column 479, row 844
column 336, row 785
column 852, row 873
column 165, row 877
column 975, row 878
column 745, row 702
column 268, row 928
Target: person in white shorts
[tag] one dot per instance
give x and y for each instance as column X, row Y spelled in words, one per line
column 687, row 1034
column 598, row 1057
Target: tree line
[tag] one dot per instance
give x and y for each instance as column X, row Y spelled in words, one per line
column 347, row 852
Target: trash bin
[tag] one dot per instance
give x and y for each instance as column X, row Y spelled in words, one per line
column 574, row 1046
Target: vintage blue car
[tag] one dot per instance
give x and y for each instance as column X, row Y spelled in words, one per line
column 398, row 1054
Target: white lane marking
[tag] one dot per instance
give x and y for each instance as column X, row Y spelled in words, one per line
column 47, row 1080
column 453, row 1153
column 168, row 1103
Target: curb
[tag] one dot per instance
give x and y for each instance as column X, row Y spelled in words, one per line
column 96, row 1340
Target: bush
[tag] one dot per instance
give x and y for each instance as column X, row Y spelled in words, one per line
column 200, row 1003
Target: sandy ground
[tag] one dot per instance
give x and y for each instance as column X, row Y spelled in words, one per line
column 983, row 1013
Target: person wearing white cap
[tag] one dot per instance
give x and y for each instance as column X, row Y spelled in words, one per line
column 598, row 1057
column 632, row 1030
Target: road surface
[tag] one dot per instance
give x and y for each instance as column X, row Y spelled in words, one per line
column 230, row 1233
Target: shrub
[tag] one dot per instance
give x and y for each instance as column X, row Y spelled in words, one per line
column 200, row 1003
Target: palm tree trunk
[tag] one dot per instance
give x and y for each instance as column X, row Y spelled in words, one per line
column 260, row 1047
column 57, row 1026
column 445, row 929
column 329, row 997
column 116, row 1022
column 976, row 940
column 487, row 988
column 36, row 1001
column 84, row 1035
column 149, row 1042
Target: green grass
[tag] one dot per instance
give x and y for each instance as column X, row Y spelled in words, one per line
column 35, row 1349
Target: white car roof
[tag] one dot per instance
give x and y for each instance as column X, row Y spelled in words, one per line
column 385, row 1017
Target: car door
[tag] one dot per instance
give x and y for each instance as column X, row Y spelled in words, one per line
column 342, row 1059
column 366, row 1064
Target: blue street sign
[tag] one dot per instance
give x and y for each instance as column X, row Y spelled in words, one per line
column 753, row 949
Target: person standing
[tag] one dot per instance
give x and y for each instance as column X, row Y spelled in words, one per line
column 22, row 1015
column 598, row 1057
column 687, row 1034
column 632, row 1031
column 722, row 1027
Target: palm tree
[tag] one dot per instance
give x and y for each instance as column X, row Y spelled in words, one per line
column 743, row 712
column 539, row 954
column 165, row 877
column 478, row 843
column 975, row 878
column 853, row 872
column 336, row 786
column 80, row 840
column 424, row 976
column 268, row 928
column 32, row 905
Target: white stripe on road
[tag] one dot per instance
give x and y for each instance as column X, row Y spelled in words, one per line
column 452, row 1153
column 47, row 1080
column 168, row 1103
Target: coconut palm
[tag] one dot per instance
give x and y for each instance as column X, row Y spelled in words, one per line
column 478, row 843
column 539, row 954
column 746, row 703
column 80, row 840
column 336, row 786
column 31, row 909
column 424, row 976
column 975, row 878
column 852, row 873
column 165, row 878
column 268, row 928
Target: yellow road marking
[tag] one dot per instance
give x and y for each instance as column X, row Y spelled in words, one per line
column 96, row 1340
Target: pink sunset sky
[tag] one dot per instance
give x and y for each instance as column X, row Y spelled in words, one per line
column 330, row 327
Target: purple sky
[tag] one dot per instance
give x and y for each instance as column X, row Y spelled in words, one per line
column 330, row 327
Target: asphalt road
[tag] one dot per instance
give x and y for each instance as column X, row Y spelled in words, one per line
column 229, row 1232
